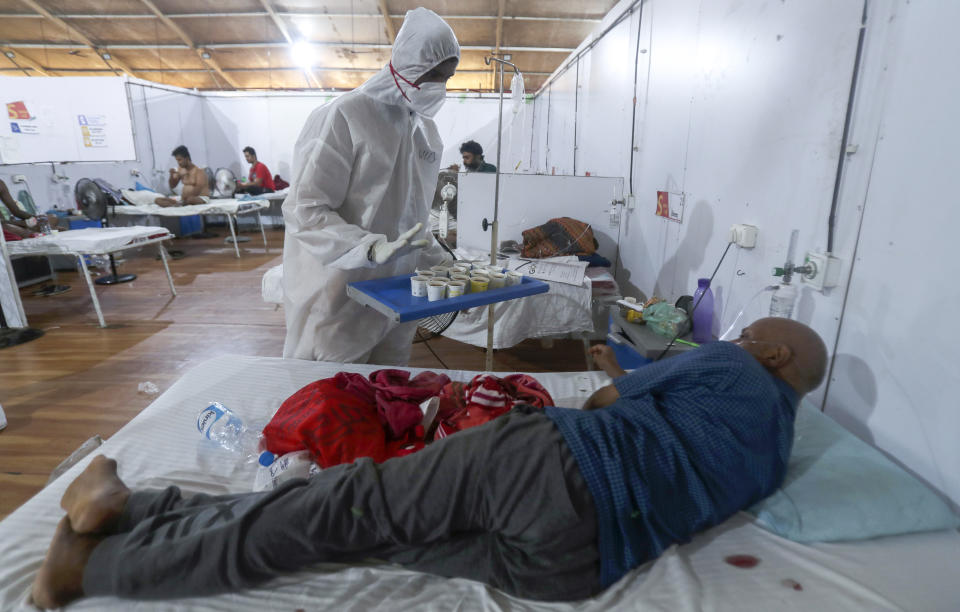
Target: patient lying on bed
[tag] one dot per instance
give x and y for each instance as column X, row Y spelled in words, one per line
column 553, row 504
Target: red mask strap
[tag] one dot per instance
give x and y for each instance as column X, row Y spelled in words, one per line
column 395, row 74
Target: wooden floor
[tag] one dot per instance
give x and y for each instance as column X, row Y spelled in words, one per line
column 79, row 380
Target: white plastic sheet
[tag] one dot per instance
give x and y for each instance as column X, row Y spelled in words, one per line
column 88, row 240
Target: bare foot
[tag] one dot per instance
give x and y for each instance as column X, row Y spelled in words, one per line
column 95, row 500
column 60, row 579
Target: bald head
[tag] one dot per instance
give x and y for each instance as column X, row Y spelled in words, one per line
column 790, row 350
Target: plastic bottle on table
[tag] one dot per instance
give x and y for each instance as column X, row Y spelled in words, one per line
column 781, row 304
column 222, row 426
column 703, row 313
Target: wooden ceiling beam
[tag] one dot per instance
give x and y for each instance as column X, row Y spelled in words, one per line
column 277, row 21
column 387, row 20
column 75, row 33
column 204, row 55
column 19, row 58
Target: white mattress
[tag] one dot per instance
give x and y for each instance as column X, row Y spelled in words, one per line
column 220, row 206
column 161, row 446
column 88, row 240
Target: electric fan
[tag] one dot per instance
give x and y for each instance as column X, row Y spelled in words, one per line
column 93, row 197
column 225, row 183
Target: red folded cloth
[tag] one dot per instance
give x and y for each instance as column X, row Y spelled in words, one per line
column 348, row 416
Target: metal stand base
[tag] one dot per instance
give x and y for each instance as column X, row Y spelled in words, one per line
column 230, row 240
column 49, row 290
column 13, row 337
column 113, row 279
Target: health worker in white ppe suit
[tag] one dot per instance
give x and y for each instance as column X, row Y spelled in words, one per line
column 365, row 169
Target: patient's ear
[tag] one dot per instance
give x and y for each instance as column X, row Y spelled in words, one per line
column 777, row 355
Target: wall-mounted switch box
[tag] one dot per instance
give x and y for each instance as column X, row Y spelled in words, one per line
column 744, row 235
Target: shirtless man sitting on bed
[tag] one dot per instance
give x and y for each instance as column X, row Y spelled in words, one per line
column 553, row 504
column 196, row 188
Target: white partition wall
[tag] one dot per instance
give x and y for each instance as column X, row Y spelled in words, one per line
column 897, row 369
column 740, row 110
column 527, row 201
column 739, row 113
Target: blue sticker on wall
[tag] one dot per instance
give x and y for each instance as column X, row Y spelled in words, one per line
column 15, row 127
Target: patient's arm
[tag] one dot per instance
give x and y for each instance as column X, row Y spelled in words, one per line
column 602, row 397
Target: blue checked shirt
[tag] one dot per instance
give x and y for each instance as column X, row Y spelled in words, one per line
column 692, row 440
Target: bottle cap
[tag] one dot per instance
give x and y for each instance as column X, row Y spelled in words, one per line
column 267, row 458
column 778, row 272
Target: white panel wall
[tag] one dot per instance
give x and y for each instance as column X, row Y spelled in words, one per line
column 174, row 118
column 271, row 124
column 216, row 127
column 561, row 121
column 606, row 103
column 897, row 368
column 268, row 123
column 741, row 110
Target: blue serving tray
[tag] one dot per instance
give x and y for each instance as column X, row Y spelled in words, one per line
column 392, row 297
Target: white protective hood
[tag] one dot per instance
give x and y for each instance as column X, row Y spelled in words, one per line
column 365, row 170
column 424, row 40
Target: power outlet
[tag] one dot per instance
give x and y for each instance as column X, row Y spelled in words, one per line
column 824, row 273
column 744, row 235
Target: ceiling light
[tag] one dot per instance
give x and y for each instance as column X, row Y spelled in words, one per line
column 10, row 54
column 106, row 56
column 305, row 26
column 205, row 54
column 303, row 54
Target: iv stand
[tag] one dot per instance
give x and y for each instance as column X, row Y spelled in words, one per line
column 494, row 239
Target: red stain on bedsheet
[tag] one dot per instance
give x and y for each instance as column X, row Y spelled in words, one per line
column 743, row 561
column 791, row 584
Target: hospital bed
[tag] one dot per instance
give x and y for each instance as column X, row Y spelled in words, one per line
column 161, row 446
column 229, row 207
column 95, row 241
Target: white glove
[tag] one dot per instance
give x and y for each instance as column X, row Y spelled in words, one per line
column 381, row 252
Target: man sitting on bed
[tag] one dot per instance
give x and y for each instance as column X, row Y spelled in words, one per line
column 196, row 187
column 553, row 505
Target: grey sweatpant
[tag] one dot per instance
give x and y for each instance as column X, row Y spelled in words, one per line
column 503, row 503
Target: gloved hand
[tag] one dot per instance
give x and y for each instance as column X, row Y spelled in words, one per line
column 381, row 252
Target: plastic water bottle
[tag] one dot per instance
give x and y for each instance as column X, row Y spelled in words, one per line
column 222, row 426
column 3, row 419
column 703, row 313
column 781, row 304
column 275, row 471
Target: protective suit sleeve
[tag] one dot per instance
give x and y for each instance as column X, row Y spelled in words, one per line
column 321, row 183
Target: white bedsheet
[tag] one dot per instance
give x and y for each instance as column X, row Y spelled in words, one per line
column 220, row 206
column 88, row 240
column 562, row 310
column 161, row 446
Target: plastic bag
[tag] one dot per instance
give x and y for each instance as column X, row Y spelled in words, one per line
column 666, row 320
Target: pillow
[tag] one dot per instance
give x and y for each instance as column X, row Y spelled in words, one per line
column 840, row 488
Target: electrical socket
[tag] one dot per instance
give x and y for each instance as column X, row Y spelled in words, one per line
column 744, row 235
column 825, row 272
column 631, row 202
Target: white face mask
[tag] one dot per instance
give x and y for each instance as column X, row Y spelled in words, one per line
column 428, row 99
